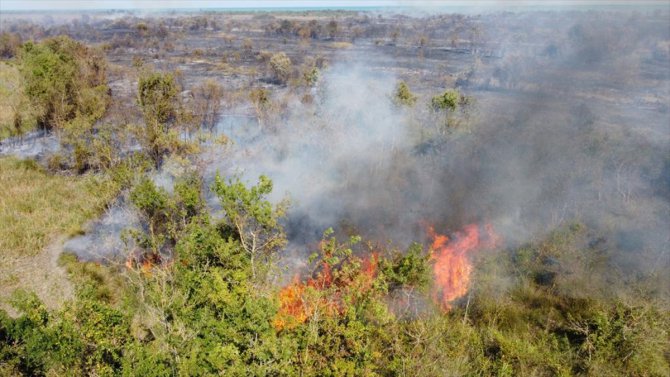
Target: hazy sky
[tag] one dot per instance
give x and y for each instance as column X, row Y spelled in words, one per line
column 162, row 4
column 154, row 4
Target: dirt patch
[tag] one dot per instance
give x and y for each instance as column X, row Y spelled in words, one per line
column 38, row 273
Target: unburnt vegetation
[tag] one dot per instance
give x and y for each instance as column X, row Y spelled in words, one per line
column 335, row 193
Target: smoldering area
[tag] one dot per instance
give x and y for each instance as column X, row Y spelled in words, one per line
column 568, row 128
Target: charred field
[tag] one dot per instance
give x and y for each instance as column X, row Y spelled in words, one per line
column 335, row 192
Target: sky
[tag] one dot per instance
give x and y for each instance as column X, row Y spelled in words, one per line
column 187, row 4
column 18, row 5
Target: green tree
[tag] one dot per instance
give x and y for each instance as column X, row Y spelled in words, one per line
column 157, row 95
column 253, row 218
column 403, row 96
column 64, row 79
column 86, row 338
column 454, row 107
column 157, row 209
column 205, row 314
column 164, row 215
column 447, row 101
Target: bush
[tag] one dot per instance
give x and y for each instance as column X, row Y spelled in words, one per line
column 157, row 95
column 280, row 67
column 64, row 79
column 10, row 44
column 403, row 96
column 447, row 101
column 17, row 115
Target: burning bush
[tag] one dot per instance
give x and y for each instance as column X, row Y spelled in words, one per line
column 451, row 264
column 339, row 282
column 342, row 280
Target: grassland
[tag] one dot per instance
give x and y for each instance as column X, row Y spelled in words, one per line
column 36, row 206
column 38, row 210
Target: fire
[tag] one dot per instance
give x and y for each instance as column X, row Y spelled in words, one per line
column 143, row 263
column 292, row 310
column 452, row 267
column 295, row 307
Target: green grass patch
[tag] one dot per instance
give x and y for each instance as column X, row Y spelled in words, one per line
column 36, row 206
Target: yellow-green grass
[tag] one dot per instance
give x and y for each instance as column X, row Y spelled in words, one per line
column 37, row 207
column 341, row 45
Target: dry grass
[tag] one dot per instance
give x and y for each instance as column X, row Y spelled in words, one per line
column 36, row 207
column 37, row 213
column 341, row 45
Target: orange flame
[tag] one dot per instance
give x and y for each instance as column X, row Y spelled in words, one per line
column 452, row 267
column 295, row 308
column 144, row 263
column 292, row 308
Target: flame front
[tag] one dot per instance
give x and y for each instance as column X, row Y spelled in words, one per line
column 145, row 263
column 295, row 308
column 452, row 266
column 451, row 269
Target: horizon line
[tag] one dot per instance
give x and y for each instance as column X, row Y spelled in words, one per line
column 151, row 5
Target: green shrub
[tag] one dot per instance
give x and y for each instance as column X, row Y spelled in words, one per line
column 64, row 79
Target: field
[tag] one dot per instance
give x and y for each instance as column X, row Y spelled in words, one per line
column 38, row 211
column 380, row 193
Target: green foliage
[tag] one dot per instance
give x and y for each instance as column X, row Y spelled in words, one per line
column 165, row 215
column 64, row 80
column 455, row 109
column 241, row 203
column 447, row 101
column 403, row 96
column 64, row 83
column 151, row 201
column 189, row 198
column 86, row 339
column 158, row 96
column 17, row 115
column 207, row 312
column 253, row 218
column 204, row 314
column 311, row 76
column 409, row 269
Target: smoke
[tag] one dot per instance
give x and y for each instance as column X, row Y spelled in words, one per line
column 35, row 145
column 333, row 161
column 105, row 239
column 571, row 124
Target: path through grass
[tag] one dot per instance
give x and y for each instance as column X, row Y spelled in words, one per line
column 38, row 211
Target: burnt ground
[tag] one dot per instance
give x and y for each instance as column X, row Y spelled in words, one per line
column 607, row 70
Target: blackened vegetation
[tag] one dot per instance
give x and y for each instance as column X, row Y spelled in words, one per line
column 551, row 126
